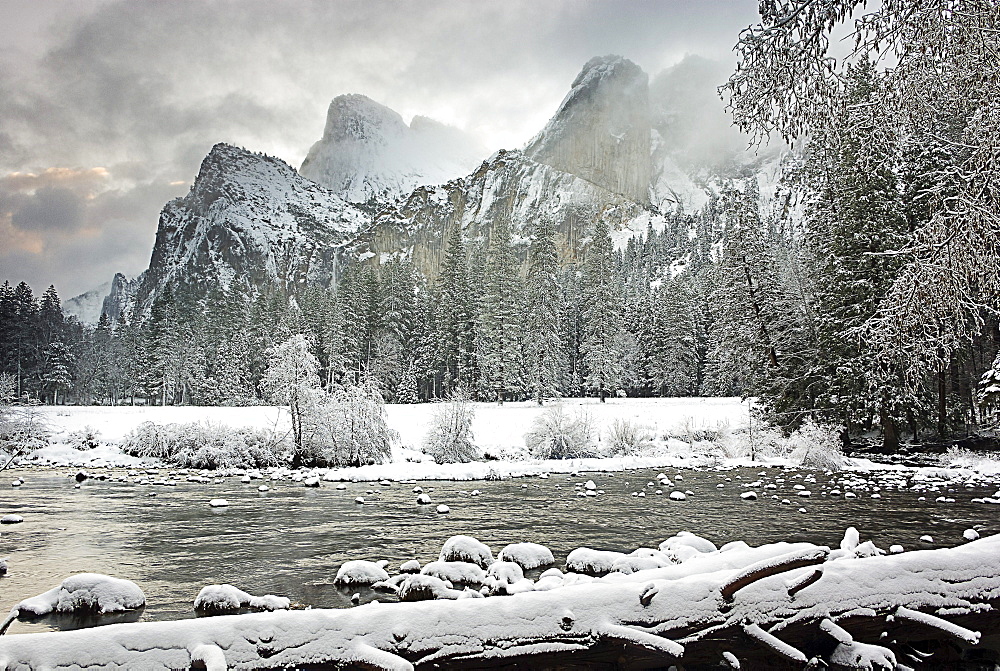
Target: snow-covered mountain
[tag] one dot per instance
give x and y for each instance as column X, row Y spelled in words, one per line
column 87, row 306
column 616, row 149
column 370, row 157
column 249, row 220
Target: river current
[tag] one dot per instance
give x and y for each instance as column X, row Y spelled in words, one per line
column 291, row 539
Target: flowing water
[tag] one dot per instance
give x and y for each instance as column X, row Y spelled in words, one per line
column 291, row 539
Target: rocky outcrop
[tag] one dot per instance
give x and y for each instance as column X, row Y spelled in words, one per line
column 601, row 131
column 249, row 220
column 508, row 186
column 370, row 157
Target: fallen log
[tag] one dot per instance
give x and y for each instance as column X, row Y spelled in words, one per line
column 870, row 610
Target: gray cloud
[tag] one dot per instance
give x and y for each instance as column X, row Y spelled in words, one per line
column 145, row 89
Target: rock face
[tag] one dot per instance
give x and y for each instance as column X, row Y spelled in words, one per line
column 119, row 297
column 507, row 186
column 249, row 220
column 370, row 157
column 601, row 131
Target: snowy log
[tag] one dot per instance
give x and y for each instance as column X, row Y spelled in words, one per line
column 659, row 617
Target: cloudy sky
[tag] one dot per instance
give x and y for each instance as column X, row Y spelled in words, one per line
column 107, row 107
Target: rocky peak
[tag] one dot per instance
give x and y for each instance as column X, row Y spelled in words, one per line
column 370, row 157
column 601, row 131
column 119, row 297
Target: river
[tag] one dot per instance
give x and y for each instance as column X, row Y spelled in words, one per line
column 291, row 539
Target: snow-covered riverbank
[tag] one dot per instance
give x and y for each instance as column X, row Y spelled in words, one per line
column 685, row 432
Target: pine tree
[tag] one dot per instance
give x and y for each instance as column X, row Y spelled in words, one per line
column 602, row 329
column 455, row 316
column 498, row 330
column 545, row 357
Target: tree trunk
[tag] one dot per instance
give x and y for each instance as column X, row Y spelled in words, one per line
column 890, row 433
column 942, row 404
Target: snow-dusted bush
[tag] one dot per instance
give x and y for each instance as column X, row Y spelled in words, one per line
column 815, row 445
column 22, row 426
column 205, row 445
column 345, row 427
column 86, row 438
column 760, row 440
column 450, row 438
column 629, row 438
column 557, row 434
column 956, row 457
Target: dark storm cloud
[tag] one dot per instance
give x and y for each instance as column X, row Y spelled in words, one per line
column 146, row 88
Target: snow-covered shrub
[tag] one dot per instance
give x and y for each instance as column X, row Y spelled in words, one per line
column 692, row 431
column 557, row 434
column 956, row 457
column 208, row 445
column 86, row 438
column 22, row 426
column 760, row 440
column 450, row 438
column 628, row 438
column 815, row 445
column 345, row 427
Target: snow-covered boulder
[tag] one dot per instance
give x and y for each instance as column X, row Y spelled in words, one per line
column 455, row 572
column 586, row 560
column 527, row 555
column 3, row 567
column 504, row 577
column 632, row 564
column 360, row 572
column 423, row 500
column 688, row 539
column 420, row 587
column 222, row 599
column 219, row 503
column 82, row 593
column 11, row 519
column 411, row 566
column 466, row 549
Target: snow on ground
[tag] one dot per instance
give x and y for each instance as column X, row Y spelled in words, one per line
column 498, row 430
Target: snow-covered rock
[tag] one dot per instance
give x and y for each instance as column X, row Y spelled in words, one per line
column 223, row 599
column 587, row 560
column 688, row 539
column 526, row 555
column 421, row 587
column 455, row 572
column 466, row 549
column 83, row 593
column 360, row 572
column 11, row 519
